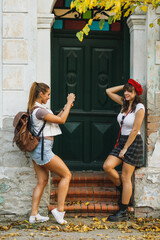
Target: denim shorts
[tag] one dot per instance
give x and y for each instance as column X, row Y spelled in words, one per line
column 47, row 152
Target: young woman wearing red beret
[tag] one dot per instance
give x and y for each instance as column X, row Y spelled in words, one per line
column 129, row 147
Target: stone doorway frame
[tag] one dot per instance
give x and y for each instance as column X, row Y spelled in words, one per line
column 45, row 20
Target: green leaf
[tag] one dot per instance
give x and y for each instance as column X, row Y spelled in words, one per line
column 110, row 19
column 151, row 25
column 86, row 29
column 133, row 8
column 80, row 35
column 158, row 21
column 101, row 23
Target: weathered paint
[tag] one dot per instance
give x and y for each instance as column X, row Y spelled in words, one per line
column 4, row 188
column 1, row 200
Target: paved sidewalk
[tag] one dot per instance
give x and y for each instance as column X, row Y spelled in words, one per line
column 82, row 229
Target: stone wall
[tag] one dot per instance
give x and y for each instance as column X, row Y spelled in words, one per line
column 19, row 53
column 17, row 179
column 18, row 57
column 147, row 180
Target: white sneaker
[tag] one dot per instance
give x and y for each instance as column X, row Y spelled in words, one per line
column 37, row 218
column 59, row 216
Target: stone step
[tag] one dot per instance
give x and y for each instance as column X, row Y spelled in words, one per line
column 91, row 179
column 87, row 194
column 92, row 209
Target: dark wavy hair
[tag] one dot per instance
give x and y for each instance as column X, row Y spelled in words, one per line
column 128, row 87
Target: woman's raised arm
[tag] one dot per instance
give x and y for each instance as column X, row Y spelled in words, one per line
column 61, row 119
column 111, row 92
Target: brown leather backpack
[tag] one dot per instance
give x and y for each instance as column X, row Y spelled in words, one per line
column 23, row 136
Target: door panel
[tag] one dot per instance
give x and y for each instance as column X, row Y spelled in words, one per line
column 86, row 69
column 104, row 62
column 71, row 74
column 71, row 147
column 101, row 140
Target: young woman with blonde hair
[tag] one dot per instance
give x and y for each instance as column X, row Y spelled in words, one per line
column 45, row 160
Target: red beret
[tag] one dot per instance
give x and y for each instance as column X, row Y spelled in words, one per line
column 136, row 85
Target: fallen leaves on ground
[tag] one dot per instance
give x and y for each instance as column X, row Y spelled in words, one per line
column 87, row 203
column 149, row 227
column 7, row 236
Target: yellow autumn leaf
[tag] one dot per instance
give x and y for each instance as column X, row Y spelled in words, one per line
column 117, row 4
column 117, row 16
column 144, row 8
column 72, row 5
column 86, row 29
column 126, row 5
column 158, row 21
column 96, row 219
column 108, row 4
column 90, row 21
column 79, row 35
column 87, row 2
column 104, row 219
column 5, row 228
column 127, row 13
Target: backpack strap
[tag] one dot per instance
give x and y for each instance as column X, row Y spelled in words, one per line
column 18, row 117
column 42, row 146
column 40, row 131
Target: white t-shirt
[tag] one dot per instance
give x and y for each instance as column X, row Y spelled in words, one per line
column 50, row 129
column 129, row 120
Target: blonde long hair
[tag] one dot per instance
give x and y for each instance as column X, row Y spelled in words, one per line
column 35, row 90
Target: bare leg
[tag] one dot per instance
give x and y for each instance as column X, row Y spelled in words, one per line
column 109, row 165
column 57, row 166
column 127, row 172
column 42, row 177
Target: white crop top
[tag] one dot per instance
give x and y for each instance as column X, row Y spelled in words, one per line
column 50, row 129
column 129, row 120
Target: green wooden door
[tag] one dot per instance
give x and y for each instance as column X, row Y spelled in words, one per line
column 86, row 69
